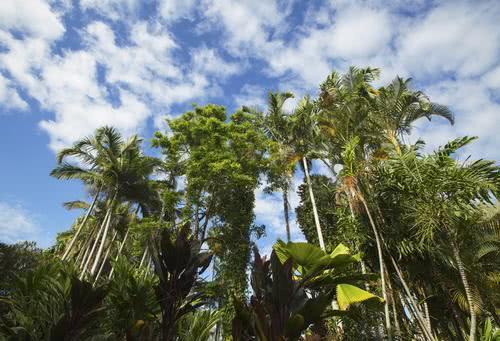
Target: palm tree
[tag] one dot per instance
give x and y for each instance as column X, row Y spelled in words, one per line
column 396, row 107
column 441, row 198
column 277, row 127
column 120, row 170
column 304, row 132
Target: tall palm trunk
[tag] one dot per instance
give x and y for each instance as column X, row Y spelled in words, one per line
column 85, row 248
column 86, row 261
column 413, row 304
column 103, row 241
column 468, row 294
column 335, row 305
column 82, row 224
column 143, row 258
column 119, row 253
column 381, row 266
column 394, row 307
column 313, row 203
column 110, row 246
column 286, row 205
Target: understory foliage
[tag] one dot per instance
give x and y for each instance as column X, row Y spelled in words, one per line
column 402, row 242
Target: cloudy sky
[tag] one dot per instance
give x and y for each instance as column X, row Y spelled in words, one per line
column 70, row 66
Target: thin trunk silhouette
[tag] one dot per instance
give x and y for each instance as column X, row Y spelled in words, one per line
column 313, row 203
column 87, row 215
column 286, row 205
column 89, row 257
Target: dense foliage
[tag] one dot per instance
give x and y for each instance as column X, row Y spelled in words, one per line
column 402, row 243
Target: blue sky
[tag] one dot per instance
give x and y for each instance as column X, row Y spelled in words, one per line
column 70, row 66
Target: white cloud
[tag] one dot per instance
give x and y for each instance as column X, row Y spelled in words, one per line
column 143, row 75
column 478, row 115
column 458, row 37
column 360, row 32
column 9, row 97
column 208, row 61
column 250, row 96
column 16, row 224
column 113, row 9
column 33, row 17
column 172, row 10
column 248, row 24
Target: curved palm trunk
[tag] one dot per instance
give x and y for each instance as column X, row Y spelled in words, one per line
column 313, row 203
column 381, row 266
column 468, row 294
column 105, row 257
column 86, row 261
column 103, row 241
column 87, row 215
column 119, row 253
column 286, row 205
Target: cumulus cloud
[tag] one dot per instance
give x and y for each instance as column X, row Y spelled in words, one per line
column 109, row 80
column 9, row 97
column 33, row 17
column 16, row 224
column 251, row 95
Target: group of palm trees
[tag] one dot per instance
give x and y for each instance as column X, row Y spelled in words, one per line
column 117, row 174
column 426, row 225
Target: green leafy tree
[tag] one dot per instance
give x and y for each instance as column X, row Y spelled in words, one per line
column 221, row 159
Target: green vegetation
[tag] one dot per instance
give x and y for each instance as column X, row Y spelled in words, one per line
column 401, row 244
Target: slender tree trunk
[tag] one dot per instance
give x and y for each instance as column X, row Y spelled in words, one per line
column 468, row 294
column 143, row 257
column 394, row 308
column 286, row 205
column 84, row 250
column 427, row 316
column 335, row 305
column 87, row 215
column 418, row 313
column 110, row 246
column 196, row 223
column 87, row 260
column 313, row 203
column 381, row 266
column 119, row 253
column 103, row 241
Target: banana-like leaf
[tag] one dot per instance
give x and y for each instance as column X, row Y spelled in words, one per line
column 349, row 294
column 303, row 254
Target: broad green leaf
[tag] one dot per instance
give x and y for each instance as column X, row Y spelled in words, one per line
column 303, row 254
column 349, row 294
